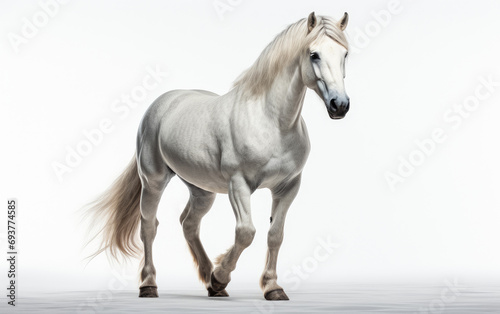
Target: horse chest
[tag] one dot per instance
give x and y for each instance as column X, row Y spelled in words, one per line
column 267, row 160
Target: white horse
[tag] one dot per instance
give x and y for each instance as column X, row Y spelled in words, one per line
column 253, row 137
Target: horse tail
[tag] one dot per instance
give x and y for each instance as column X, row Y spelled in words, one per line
column 117, row 212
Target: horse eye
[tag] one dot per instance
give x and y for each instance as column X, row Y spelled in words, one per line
column 314, row 56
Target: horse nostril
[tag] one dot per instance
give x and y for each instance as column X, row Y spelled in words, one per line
column 347, row 107
column 333, row 105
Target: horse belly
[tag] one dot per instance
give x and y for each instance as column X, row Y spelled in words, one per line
column 194, row 156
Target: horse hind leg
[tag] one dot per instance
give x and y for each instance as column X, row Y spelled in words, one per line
column 149, row 205
column 198, row 205
column 154, row 182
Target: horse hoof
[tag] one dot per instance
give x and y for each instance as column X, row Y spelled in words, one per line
column 148, row 292
column 276, row 295
column 216, row 285
column 213, row 293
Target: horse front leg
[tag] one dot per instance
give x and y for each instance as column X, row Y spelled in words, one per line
column 239, row 196
column 282, row 199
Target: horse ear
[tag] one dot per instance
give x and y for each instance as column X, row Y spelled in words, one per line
column 311, row 22
column 342, row 24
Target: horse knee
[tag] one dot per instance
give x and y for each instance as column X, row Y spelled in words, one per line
column 245, row 235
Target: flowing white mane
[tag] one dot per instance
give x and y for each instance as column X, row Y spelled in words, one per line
column 287, row 46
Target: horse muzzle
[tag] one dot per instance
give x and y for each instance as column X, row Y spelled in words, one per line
column 338, row 107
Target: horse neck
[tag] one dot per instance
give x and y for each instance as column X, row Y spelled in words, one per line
column 285, row 97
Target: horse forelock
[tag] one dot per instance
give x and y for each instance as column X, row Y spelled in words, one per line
column 284, row 49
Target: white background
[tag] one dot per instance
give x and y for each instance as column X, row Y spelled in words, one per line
column 441, row 223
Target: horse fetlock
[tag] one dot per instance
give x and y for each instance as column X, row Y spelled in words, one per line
column 215, row 288
column 221, row 275
column 269, row 278
column 148, row 276
column 217, row 285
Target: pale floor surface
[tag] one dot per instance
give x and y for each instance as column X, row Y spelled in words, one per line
column 329, row 299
